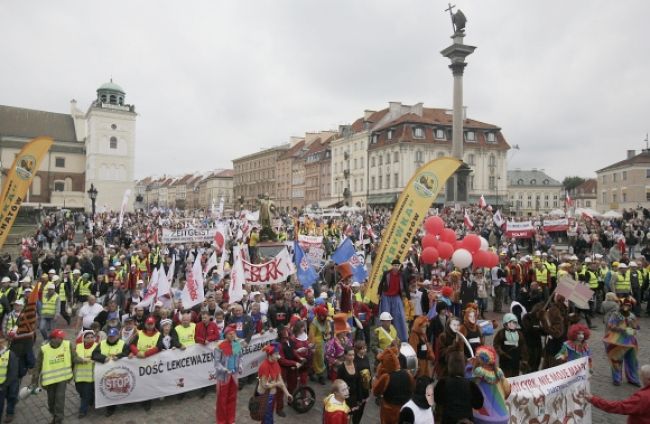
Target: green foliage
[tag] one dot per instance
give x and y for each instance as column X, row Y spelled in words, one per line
column 570, row 183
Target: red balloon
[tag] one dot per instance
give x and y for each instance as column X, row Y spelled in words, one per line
column 434, row 225
column 445, row 250
column 448, row 235
column 429, row 240
column 493, row 259
column 472, row 242
column 429, row 255
column 480, row 259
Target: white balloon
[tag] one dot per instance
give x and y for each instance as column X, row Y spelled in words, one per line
column 462, row 258
column 484, row 244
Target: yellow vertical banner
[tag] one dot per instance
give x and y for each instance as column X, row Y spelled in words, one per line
column 18, row 180
column 407, row 217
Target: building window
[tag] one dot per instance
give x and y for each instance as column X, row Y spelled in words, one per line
column 605, row 196
column 36, row 186
column 372, row 183
column 470, row 136
column 440, row 134
column 491, row 137
column 361, row 162
column 396, row 180
column 647, row 196
column 546, row 204
column 59, row 163
column 546, row 197
column 103, row 98
column 492, row 183
column 545, row 182
column 614, row 178
column 418, row 132
column 112, row 99
column 381, row 160
column 533, row 182
column 624, row 197
column 389, row 135
column 471, row 182
column 624, row 175
column 520, row 182
column 381, row 183
column 395, row 157
column 68, row 184
column 492, row 161
column 355, row 163
column 418, row 156
column 355, row 185
column 614, row 197
column 530, row 204
column 387, row 158
column 361, row 184
column 59, row 185
column 113, row 143
column 440, row 154
column 555, row 204
column 470, row 159
column 647, row 173
column 372, row 162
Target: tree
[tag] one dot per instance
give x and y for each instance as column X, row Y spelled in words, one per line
column 569, row 183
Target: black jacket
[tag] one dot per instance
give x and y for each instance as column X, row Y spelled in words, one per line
column 383, row 284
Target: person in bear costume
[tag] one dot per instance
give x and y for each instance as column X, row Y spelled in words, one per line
column 470, row 328
column 394, row 384
column 423, row 349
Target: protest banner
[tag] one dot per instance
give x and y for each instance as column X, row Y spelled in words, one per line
column 575, row 291
column 188, row 235
column 407, row 217
column 523, row 229
column 169, row 372
column 26, row 164
column 553, row 395
column 274, row 271
column 313, row 248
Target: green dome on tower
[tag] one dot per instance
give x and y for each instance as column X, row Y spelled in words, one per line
column 111, row 86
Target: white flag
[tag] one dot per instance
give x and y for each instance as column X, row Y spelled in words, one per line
column 193, row 290
column 125, row 201
column 152, row 291
column 222, row 263
column 237, row 276
column 164, row 288
column 212, row 262
column 172, row 269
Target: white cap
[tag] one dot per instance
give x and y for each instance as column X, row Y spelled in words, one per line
column 27, row 279
column 537, row 253
column 632, row 263
column 6, row 279
column 56, row 278
column 356, row 284
column 587, row 260
column 118, row 263
column 76, row 271
column 323, row 295
column 19, row 302
column 598, row 256
column 544, row 254
column 573, row 258
column 52, row 271
column 385, row 316
column 622, row 265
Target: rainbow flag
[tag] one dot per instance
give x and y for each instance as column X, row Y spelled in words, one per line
column 494, row 410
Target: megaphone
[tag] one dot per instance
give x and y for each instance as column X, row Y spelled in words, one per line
column 26, row 391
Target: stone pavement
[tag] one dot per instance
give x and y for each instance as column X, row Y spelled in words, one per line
column 199, row 411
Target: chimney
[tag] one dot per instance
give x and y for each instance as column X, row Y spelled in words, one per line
column 394, row 107
column 367, row 114
column 631, row 154
column 417, row 109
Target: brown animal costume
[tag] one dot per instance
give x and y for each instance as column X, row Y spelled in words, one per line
column 470, row 328
column 555, row 325
column 423, row 349
column 393, row 384
column 448, row 341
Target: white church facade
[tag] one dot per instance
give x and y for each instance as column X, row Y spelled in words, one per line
column 93, row 147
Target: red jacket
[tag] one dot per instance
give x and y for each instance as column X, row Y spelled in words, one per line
column 637, row 406
column 204, row 334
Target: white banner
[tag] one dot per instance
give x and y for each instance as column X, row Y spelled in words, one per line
column 274, row 271
column 188, row 235
column 313, row 248
column 553, row 395
column 519, row 229
column 169, row 372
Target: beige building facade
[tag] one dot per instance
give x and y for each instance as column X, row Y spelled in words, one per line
column 625, row 184
column 533, row 192
column 255, row 175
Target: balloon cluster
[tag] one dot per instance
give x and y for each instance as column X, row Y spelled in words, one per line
column 440, row 243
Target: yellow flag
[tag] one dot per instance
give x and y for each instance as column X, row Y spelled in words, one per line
column 18, row 180
column 408, row 215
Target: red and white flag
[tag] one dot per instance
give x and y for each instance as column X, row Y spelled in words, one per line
column 237, row 276
column 212, row 262
column 164, row 288
column 568, row 200
column 481, row 202
column 498, row 219
column 152, row 292
column 468, row 221
column 192, row 293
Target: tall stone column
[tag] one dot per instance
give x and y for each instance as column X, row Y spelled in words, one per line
column 457, row 185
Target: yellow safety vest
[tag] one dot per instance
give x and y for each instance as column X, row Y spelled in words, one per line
column 84, row 288
column 57, row 364
column 147, row 342
column 552, row 268
column 383, row 340
column 4, row 364
column 48, row 310
column 186, row 334
column 140, row 264
column 541, row 275
column 622, row 283
column 61, row 292
column 593, row 280
column 358, row 297
column 111, row 350
column 84, row 373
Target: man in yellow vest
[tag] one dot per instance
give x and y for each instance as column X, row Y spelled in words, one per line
column 145, row 345
column 111, row 349
column 54, row 369
column 8, row 379
column 621, row 283
column 50, row 308
column 84, row 378
column 185, row 330
column 385, row 335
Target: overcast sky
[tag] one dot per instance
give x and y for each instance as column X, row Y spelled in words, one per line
column 215, row 80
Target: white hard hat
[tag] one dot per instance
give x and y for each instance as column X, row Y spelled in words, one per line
column 587, row 260
column 632, row 263
column 27, row 279
column 356, row 284
column 385, row 316
column 76, row 271
column 6, row 279
column 622, row 265
column 52, row 271
column 19, row 302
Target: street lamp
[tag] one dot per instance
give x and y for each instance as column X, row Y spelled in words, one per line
column 92, row 193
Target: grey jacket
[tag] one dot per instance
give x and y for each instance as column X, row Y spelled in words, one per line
column 220, row 364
